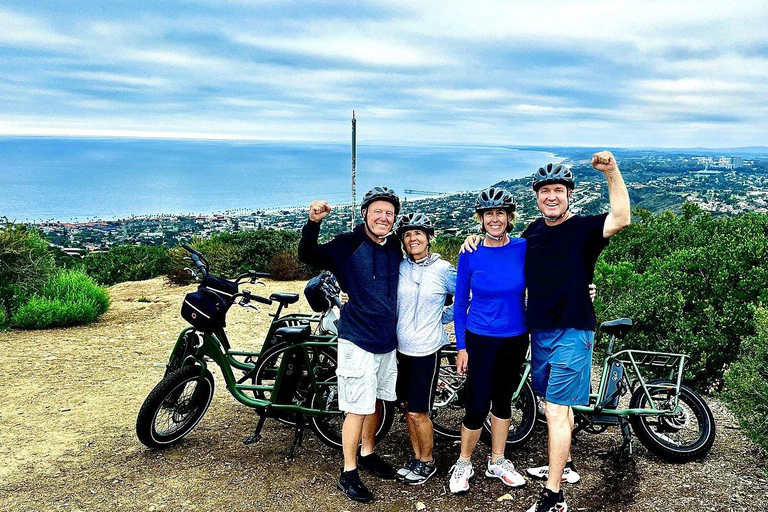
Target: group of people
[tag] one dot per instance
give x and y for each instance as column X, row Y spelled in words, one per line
column 509, row 292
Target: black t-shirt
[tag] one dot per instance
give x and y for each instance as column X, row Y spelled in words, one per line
column 559, row 265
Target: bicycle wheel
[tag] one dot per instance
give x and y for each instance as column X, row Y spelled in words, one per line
column 324, row 363
column 174, row 407
column 687, row 435
column 523, row 421
column 328, row 427
column 448, row 406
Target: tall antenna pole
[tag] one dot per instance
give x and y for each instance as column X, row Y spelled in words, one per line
column 354, row 169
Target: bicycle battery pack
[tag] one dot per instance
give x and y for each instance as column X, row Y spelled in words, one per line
column 615, row 375
column 289, row 382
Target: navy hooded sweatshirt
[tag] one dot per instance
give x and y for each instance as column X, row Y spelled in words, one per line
column 368, row 272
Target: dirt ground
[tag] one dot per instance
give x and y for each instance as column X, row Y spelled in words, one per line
column 67, row 439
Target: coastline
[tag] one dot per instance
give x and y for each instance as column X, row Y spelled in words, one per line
column 82, row 180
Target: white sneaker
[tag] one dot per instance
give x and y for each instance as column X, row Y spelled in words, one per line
column 505, row 471
column 542, row 473
column 461, row 472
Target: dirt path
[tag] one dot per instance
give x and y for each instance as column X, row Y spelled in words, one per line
column 67, row 442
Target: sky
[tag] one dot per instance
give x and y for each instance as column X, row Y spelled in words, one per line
column 568, row 73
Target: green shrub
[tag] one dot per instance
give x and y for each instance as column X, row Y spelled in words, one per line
column 285, row 266
column 25, row 264
column 231, row 254
column 447, row 247
column 747, row 383
column 127, row 263
column 68, row 298
column 689, row 284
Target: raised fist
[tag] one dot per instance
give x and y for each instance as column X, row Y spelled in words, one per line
column 604, row 162
column 319, row 210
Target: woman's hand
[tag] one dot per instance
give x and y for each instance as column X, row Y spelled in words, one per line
column 461, row 362
column 592, row 291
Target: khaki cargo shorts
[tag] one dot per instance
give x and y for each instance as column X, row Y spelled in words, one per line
column 364, row 377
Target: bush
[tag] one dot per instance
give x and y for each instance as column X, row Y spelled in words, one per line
column 68, row 298
column 127, row 263
column 689, row 284
column 25, row 264
column 747, row 383
column 285, row 266
column 231, row 254
column 447, row 247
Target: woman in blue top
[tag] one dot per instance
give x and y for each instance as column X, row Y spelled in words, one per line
column 491, row 336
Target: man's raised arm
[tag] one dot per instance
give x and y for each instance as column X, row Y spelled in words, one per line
column 619, row 218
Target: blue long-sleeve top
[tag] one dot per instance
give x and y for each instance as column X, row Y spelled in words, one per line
column 495, row 278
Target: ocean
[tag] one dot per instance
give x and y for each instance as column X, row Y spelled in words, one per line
column 78, row 179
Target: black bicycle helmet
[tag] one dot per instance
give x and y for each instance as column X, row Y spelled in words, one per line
column 553, row 174
column 495, row 198
column 381, row 194
column 414, row 221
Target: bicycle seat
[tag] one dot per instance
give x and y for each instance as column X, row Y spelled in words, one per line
column 619, row 327
column 293, row 335
column 285, row 298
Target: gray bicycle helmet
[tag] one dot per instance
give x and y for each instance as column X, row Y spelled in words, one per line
column 553, row 174
column 495, row 198
column 381, row 194
column 414, row 221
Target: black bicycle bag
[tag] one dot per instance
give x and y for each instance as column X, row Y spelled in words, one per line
column 205, row 310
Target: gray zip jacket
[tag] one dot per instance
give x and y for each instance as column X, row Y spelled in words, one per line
column 421, row 293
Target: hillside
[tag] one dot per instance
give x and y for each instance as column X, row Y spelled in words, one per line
column 71, row 398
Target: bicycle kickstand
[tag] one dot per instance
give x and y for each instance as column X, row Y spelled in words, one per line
column 256, row 436
column 626, row 433
column 297, row 436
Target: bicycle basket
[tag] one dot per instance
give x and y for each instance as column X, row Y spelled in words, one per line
column 204, row 310
column 315, row 294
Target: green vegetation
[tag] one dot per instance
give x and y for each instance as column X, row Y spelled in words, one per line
column 127, row 263
column 689, row 283
column 68, row 298
column 25, row 265
column 447, row 247
column 231, row 254
column 747, row 383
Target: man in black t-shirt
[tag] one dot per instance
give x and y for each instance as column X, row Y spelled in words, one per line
column 559, row 265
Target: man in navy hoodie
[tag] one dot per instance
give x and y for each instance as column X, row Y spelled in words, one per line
column 366, row 263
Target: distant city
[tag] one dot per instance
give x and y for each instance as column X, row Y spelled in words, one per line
column 657, row 181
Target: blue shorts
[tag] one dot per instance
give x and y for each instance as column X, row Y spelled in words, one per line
column 561, row 365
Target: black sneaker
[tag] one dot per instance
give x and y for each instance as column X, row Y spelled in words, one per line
column 421, row 473
column 376, row 465
column 550, row 502
column 406, row 470
column 349, row 483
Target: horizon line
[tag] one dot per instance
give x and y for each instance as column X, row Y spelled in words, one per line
column 219, row 137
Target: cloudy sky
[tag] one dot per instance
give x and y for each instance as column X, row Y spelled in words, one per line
column 597, row 73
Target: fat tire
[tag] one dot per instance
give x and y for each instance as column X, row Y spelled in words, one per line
column 519, row 431
column 328, row 428
column 170, row 396
column 664, row 446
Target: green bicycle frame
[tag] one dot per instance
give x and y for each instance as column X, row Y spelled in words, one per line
column 634, row 360
column 211, row 347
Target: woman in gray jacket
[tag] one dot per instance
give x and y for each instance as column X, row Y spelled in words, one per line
column 424, row 283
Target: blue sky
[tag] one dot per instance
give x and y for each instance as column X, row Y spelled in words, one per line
column 593, row 73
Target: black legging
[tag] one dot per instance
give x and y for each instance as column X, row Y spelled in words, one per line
column 493, row 374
